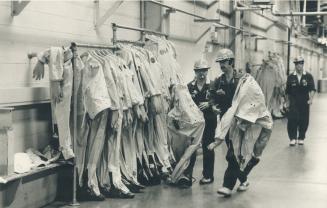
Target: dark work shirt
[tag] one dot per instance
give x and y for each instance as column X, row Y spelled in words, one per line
column 298, row 92
column 222, row 101
column 199, row 96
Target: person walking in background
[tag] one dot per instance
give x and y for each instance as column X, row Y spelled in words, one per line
column 300, row 90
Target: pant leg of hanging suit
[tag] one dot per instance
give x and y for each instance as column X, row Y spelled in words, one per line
column 60, row 73
column 95, row 146
column 186, row 125
column 63, row 111
column 142, row 159
column 114, row 154
column 97, row 104
column 83, row 122
column 128, row 154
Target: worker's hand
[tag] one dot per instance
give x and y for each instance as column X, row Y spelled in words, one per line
column 310, row 101
column 38, row 71
column 220, row 92
column 176, row 124
column 216, row 110
column 56, row 92
column 204, row 105
column 215, row 144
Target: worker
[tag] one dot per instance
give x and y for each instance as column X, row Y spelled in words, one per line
column 247, row 113
column 199, row 90
column 300, row 90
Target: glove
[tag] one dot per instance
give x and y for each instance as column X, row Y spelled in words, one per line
column 38, row 71
column 216, row 110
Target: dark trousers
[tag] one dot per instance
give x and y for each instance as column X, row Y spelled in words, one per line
column 208, row 155
column 233, row 171
column 298, row 121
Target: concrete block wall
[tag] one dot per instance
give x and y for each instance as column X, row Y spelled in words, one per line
column 42, row 24
column 45, row 23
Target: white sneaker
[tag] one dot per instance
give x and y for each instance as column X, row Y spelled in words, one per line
column 293, row 142
column 226, row 192
column 300, row 142
column 243, row 186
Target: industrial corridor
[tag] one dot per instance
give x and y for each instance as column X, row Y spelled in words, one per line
column 286, row 177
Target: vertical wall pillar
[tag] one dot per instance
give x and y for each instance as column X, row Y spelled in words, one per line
column 6, row 142
column 238, row 43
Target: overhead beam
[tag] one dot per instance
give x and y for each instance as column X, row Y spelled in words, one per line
column 203, row 4
column 101, row 20
column 17, row 7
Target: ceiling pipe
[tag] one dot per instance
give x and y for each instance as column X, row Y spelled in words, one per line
column 262, row 15
column 206, row 20
column 244, row 7
column 299, row 14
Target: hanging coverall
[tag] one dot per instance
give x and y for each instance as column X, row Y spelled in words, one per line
column 97, row 104
column 144, row 144
column 248, row 108
column 61, row 83
column 186, row 125
column 155, row 138
column 298, row 95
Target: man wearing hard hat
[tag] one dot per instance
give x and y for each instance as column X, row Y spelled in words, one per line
column 300, row 90
column 199, row 90
column 242, row 105
column 222, row 91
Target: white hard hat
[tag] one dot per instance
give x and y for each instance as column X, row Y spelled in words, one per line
column 298, row 59
column 201, row 64
column 224, row 54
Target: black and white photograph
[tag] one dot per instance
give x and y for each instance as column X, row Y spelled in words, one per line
column 163, row 103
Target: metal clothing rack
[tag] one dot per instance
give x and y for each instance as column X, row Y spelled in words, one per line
column 74, row 46
column 137, row 43
column 142, row 30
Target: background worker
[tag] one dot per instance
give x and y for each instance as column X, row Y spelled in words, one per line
column 300, row 90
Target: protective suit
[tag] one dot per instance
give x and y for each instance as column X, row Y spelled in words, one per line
column 61, row 81
column 186, row 126
column 248, row 112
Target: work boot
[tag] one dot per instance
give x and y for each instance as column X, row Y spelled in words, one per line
column 117, row 193
column 249, row 166
column 293, row 142
column 184, row 182
column 243, row 186
column 90, row 195
column 205, row 181
column 226, row 192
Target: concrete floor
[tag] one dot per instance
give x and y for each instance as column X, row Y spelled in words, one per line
column 287, row 176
